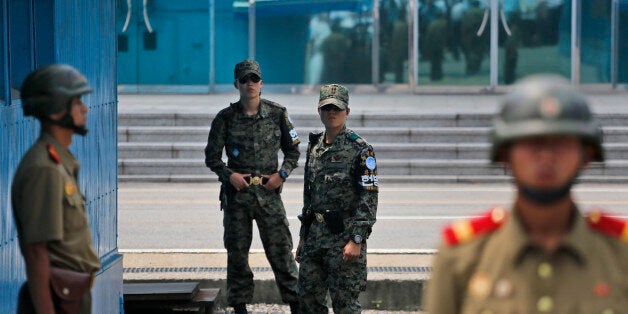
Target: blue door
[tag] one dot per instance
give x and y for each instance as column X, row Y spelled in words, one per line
column 162, row 45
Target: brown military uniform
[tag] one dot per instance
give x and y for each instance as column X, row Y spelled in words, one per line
column 488, row 265
column 48, row 206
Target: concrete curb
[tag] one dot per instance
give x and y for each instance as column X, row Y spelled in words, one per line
column 396, row 285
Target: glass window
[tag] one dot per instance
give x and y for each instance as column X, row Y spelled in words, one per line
column 595, row 53
column 535, row 37
column 453, row 43
column 622, row 45
column 326, row 42
column 20, row 52
column 393, row 41
column 3, row 60
column 232, row 42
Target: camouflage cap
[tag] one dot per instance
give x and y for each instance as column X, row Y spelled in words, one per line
column 334, row 94
column 246, row 67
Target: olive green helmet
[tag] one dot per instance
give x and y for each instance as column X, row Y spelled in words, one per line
column 544, row 105
column 49, row 89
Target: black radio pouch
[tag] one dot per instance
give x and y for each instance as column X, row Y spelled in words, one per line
column 333, row 221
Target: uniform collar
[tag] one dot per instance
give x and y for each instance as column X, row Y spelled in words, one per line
column 342, row 135
column 67, row 159
column 574, row 243
column 262, row 112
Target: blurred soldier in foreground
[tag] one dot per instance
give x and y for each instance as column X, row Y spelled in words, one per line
column 339, row 208
column 542, row 255
column 252, row 131
column 48, row 207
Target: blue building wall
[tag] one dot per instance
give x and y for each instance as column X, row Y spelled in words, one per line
column 80, row 33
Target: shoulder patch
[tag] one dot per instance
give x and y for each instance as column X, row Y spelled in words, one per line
column 608, row 225
column 53, row 153
column 272, row 103
column 355, row 137
column 465, row 230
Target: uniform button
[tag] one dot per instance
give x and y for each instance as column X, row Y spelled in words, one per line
column 545, row 270
column 545, row 304
column 65, row 291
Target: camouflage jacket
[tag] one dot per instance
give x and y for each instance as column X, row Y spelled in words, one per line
column 342, row 176
column 251, row 142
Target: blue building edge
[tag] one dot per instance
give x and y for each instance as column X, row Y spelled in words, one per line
column 34, row 33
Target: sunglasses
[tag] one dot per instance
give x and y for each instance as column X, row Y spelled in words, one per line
column 330, row 108
column 252, row 78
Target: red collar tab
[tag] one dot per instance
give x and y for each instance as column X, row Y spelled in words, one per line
column 53, row 154
column 608, row 225
column 466, row 230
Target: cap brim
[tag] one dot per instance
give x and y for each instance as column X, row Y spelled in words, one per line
column 332, row 101
column 247, row 72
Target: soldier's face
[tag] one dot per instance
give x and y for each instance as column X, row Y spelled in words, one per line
column 332, row 116
column 546, row 161
column 249, row 86
column 79, row 111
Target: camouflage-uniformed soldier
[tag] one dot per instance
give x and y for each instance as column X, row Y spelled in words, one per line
column 48, row 207
column 340, row 204
column 252, row 131
column 543, row 256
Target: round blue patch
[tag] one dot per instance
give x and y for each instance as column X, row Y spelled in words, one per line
column 370, row 163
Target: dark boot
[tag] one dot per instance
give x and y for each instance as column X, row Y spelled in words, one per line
column 294, row 307
column 240, row 309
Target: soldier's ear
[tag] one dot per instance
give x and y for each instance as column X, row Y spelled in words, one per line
column 588, row 153
column 235, row 84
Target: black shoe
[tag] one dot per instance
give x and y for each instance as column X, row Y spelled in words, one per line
column 294, row 307
column 240, row 309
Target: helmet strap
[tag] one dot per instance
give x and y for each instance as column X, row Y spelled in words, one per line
column 546, row 196
column 68, row 122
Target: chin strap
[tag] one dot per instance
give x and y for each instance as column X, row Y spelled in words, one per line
column 67, row 122
column 546, row 196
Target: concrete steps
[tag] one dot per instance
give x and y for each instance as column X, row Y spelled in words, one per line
column 413, row 147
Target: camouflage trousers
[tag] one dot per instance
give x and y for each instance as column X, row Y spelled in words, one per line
column 267, row 209
column 322, row 270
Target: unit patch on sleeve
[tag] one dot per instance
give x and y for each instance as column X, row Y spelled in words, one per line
column 367, row 169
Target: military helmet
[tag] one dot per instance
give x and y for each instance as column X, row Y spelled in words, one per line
column 544, row 105
column 49, row 89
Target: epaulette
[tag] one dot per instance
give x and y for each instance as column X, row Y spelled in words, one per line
column 53, row 154
column 355, row 137
column 608, row 225
column 272, row 103
column 466, row 230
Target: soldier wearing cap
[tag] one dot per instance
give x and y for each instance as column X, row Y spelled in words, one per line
column 252, row 131
column 543, row 255
column 48, row 207
column 339, row 208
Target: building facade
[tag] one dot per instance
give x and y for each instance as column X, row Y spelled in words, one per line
column 410, row 45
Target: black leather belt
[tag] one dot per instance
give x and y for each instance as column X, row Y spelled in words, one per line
column 256, row 180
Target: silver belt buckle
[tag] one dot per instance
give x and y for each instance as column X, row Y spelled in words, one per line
column 320, row 217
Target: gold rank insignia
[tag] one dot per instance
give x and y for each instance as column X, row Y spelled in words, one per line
column 479, row 286
column 70, row 188
column 608, row 225
column 465, row 230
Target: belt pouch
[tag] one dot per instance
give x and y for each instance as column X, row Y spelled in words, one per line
column 68, row 287
column 333, row 221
